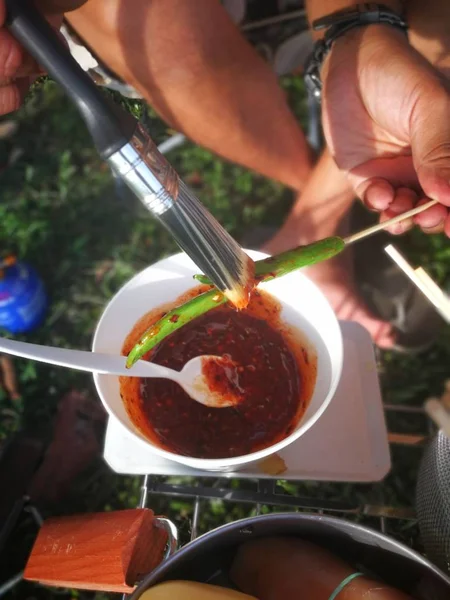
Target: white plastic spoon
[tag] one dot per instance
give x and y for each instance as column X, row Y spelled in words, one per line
column 191, row 378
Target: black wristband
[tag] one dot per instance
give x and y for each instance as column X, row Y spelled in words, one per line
column 337, row 24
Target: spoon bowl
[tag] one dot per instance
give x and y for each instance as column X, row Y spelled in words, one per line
column 196, row 378
column 192, row 378
column 199, row 379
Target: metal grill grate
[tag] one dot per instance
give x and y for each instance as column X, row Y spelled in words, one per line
column 433, row 501
column 269, row 493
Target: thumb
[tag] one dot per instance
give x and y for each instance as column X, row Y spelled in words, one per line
column 430, row 140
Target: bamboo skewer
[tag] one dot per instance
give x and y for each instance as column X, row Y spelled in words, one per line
column 424, row 282
column 431, row 284
column 355, row 237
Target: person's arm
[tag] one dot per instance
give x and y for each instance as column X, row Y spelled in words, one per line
column 376, row 98
column 429, row 31
column 195, row 68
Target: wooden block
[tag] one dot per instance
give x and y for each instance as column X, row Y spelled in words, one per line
column 407, row 439
column 102, row 551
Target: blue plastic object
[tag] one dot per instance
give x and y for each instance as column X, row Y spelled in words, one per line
column 23, row 300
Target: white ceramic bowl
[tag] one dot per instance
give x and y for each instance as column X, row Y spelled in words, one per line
column 303, row 306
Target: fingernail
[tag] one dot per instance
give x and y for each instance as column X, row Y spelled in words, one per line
column 435, row 229
column 376, row 200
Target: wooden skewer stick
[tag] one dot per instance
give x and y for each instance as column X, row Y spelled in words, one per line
column 441, row 298
column 442, row 305
column 432, row 285
column 355, row 237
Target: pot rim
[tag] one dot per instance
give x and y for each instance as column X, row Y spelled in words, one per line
column 349, row 526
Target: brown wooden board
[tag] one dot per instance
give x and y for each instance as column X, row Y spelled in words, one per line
column 98, row 551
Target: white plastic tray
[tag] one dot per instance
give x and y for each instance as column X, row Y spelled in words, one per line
column 348, row 443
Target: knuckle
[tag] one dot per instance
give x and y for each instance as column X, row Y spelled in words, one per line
column 429, row 92
column 438, row 155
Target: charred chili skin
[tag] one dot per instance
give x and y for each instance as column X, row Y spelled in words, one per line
column 265, row 270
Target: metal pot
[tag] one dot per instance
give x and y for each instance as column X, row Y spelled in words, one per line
column 207, row 559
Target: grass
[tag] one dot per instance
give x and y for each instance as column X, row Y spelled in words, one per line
column 60, row 211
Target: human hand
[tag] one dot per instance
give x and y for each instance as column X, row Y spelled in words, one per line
column 18, row 69
column 386, row 115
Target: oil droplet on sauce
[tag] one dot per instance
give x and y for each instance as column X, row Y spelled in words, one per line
column 276, row 375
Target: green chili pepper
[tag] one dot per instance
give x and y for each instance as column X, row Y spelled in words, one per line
column 286, row 262
column 265, row 270
column 173, row 320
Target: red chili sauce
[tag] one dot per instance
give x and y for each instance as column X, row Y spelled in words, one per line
column 276, row 375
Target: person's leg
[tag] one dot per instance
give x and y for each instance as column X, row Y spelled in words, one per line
column 321, row 210
column 318, row 211
column 192, row 65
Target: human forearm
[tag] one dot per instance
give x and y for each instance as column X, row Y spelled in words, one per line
column 193, row 66
column 429, row 31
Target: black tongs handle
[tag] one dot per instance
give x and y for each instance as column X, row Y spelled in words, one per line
column 110, row 126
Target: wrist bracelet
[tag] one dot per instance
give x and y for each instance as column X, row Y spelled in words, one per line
column 336, row 25
column 343, row 584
